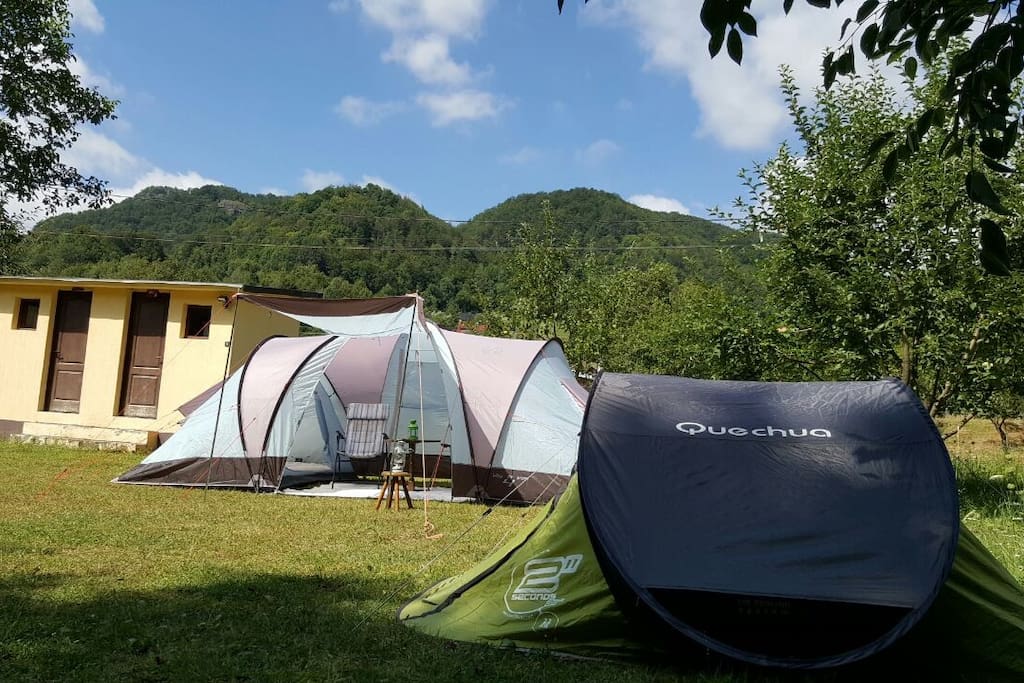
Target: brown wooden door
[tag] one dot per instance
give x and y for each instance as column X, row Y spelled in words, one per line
column 144, row 354
column 67, row 351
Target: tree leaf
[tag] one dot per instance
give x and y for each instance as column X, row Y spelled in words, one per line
column 925, row 121
column 994, row 256
column 845, row 64
column 869, row 41
column 980, row 191
column 910, row 68
column 865, row 9
column 913, row 142
column 828, row 70
column 714, row 15
column 715, row 41
column 879, row 142
column 889, row 166
column 747, row 23
column 992, row 147
column 997, row 166
column 734, row 46
column 1010, row 136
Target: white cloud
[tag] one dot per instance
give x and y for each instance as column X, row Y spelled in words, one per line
column 520, row 157
column 656, row 203
column 456, row 18
column 34, row 211
column 380, row 182
column 277, row 191
column 428, row 59
column 364, row 112
column 317, row 180
column 96, row 154
column 597, row 152
column 422, row 31
column 85, row 15
column 422, row 35
column 91, row 79
column 462, row 105
column 161, row 178
column 740, row 106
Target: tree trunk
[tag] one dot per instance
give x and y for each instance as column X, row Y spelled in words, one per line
column 907, row 357
column 1004, row 438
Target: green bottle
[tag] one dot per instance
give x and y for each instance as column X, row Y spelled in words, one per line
column 413, row 429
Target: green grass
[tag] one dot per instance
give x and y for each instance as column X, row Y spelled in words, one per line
column 106, row 582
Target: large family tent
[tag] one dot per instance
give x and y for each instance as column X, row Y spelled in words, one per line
column 799, row 525
column 502, row 415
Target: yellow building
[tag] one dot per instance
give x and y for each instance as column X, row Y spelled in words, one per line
column 107, row 362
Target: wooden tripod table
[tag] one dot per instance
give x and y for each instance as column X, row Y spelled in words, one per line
column 390, row 489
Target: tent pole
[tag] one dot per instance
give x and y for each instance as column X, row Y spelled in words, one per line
column 220, row 394
column 403, row 369
column 427, row 526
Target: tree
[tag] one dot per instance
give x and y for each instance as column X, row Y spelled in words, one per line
column 978, row 108
column 42, row 103
column 876, row 278
column 543, row 273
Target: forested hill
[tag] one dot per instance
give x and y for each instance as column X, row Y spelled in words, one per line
column 595, row 218
column 351, row 241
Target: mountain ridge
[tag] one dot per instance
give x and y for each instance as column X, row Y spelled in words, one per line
column 355, row 240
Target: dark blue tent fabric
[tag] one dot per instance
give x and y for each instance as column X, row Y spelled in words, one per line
column 737, row 510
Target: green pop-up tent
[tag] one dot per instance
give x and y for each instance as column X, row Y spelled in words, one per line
column 794, row 525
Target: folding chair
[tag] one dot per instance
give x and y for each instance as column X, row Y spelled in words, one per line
column 366, row 439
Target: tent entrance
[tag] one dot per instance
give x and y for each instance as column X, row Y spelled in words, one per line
column 780, row 627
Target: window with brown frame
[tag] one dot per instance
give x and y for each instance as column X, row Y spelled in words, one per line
column 28, row 314
column 197, row 321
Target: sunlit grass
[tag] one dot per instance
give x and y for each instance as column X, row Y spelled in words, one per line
column 114, row 582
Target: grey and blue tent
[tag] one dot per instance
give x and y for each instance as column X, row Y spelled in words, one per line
column 503, row 414
column 801, row 525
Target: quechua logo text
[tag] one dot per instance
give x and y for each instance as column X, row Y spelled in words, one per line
column 765, row 432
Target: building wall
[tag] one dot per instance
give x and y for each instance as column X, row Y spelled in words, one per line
column 253, row 325
column 190, row 365
column 23, row 353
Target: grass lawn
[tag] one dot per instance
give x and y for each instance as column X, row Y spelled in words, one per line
column 107, row 582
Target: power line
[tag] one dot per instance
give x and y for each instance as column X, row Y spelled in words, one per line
column 403, row 248
column 247, row 209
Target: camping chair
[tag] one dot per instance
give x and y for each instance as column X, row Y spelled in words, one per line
column 366, row 439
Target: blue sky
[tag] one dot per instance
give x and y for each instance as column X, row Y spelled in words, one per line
column 457, row 104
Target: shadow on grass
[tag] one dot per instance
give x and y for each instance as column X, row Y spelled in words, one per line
column 268, row 627
column 243, row 627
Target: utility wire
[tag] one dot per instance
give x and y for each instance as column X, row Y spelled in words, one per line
column 280, row 212
column 404, row 248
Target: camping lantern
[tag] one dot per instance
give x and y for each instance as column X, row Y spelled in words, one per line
column 399, row 452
